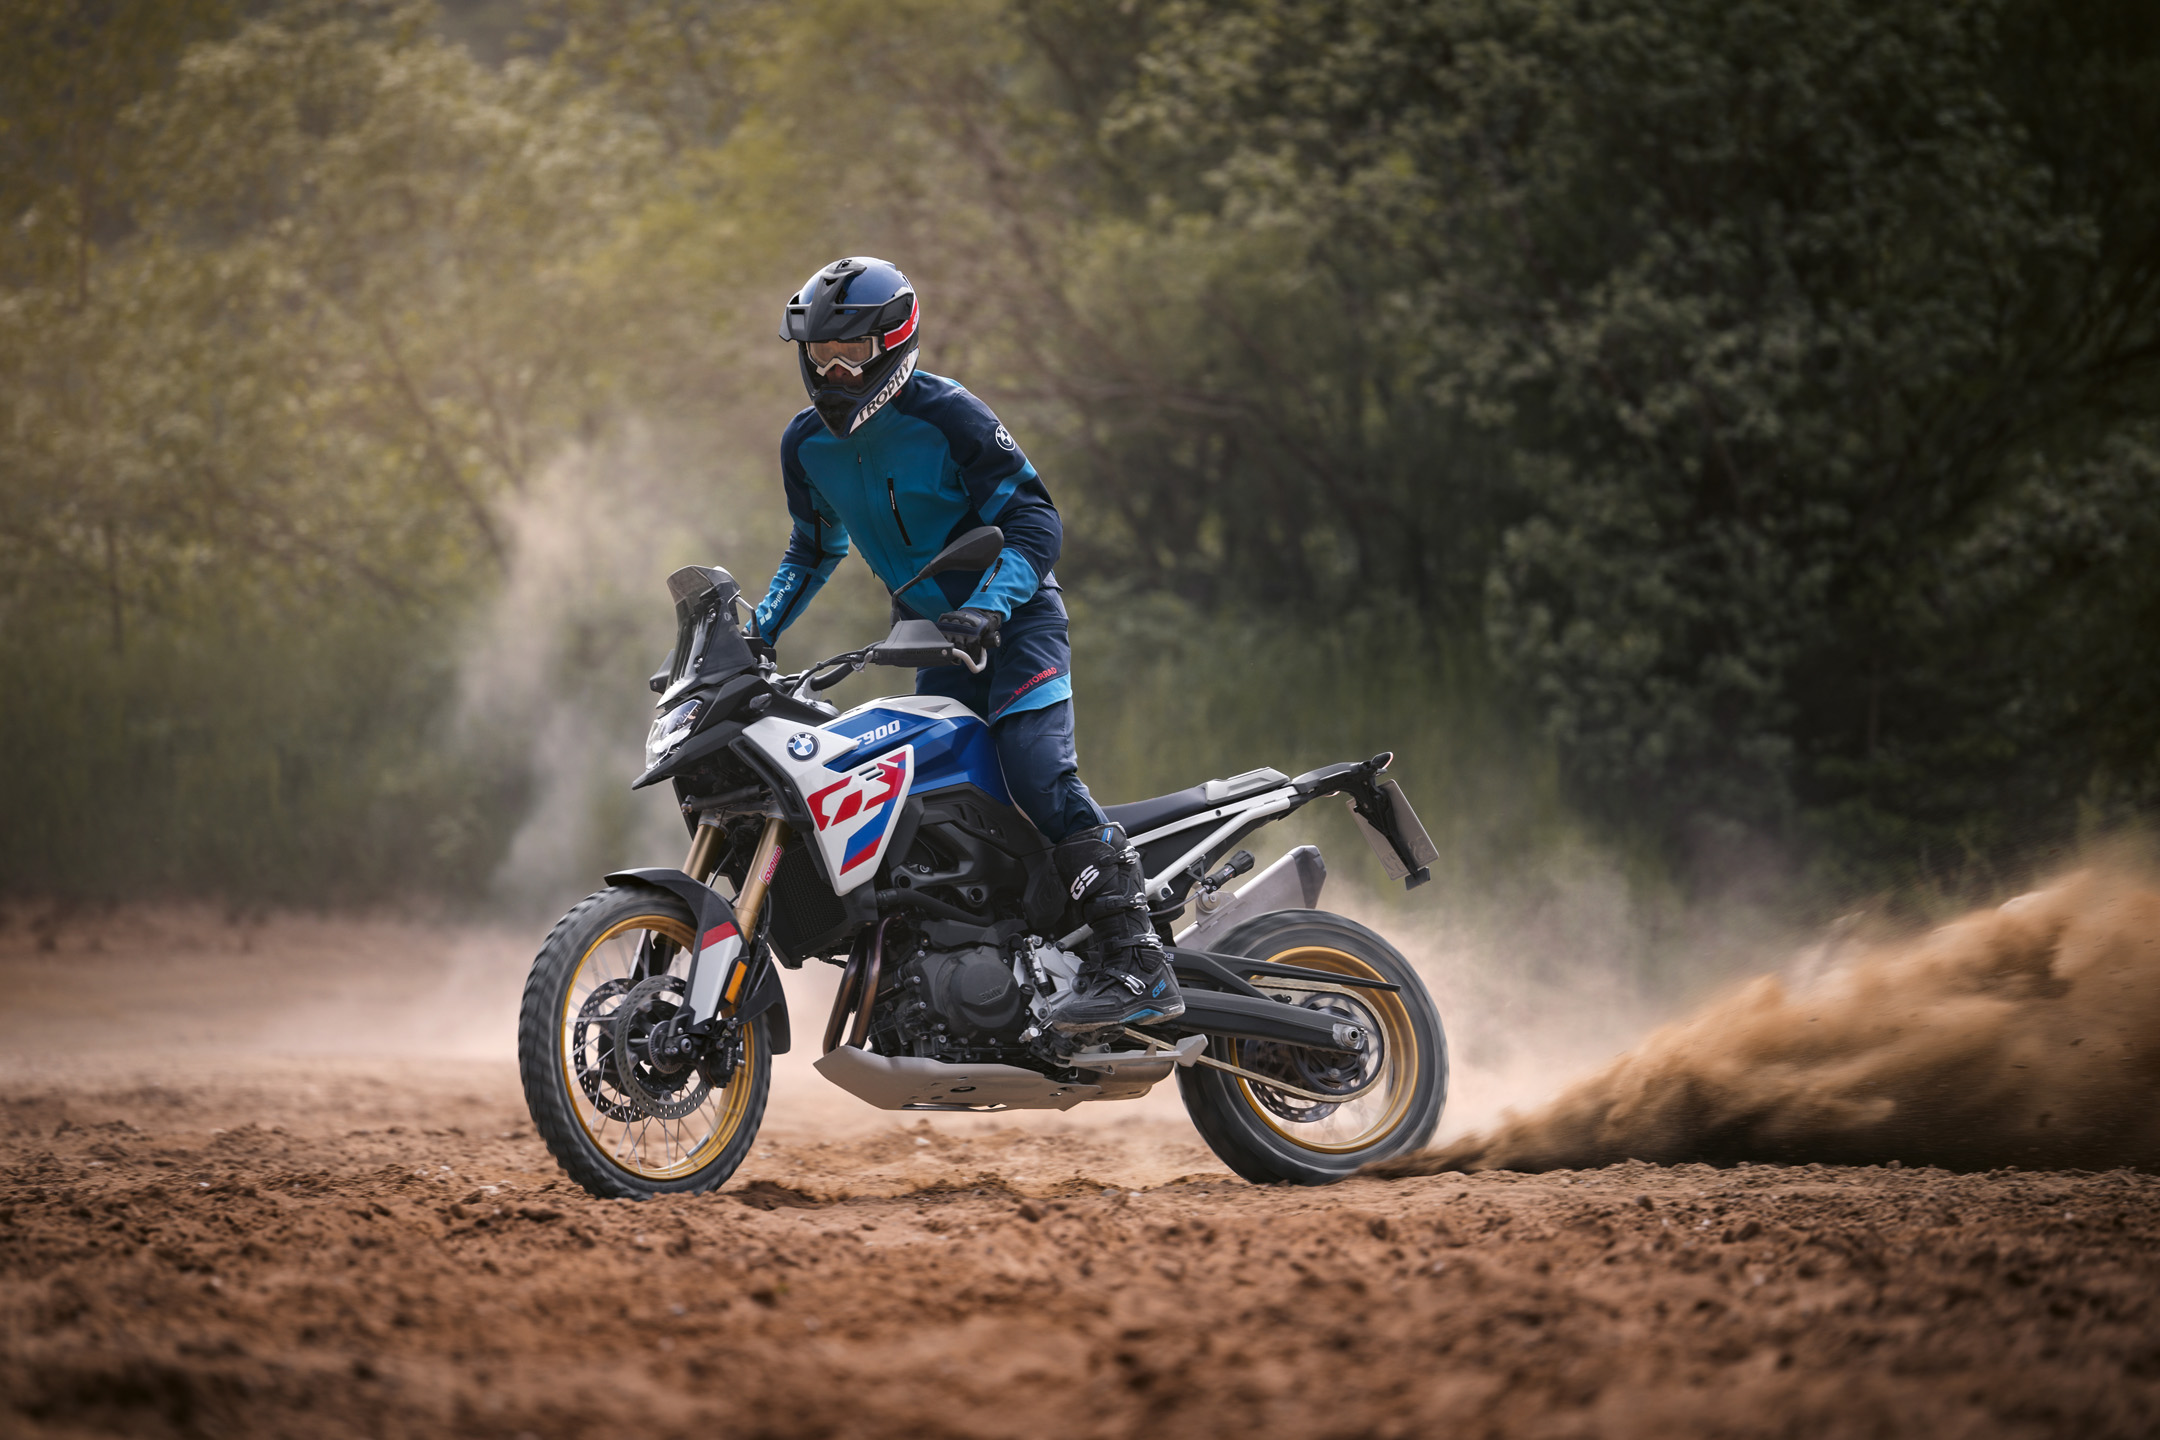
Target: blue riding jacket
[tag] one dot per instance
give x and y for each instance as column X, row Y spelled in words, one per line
column 928, row 467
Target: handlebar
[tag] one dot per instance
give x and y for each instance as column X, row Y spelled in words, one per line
column 823, row 676
column 814, row 679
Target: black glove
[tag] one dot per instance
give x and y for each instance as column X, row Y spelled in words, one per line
column 970, row 628
column 761, row 648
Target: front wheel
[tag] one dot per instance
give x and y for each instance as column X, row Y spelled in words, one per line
column 1396, row 1083
column 622, row 1127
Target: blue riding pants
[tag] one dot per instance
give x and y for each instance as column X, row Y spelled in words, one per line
column 1034, row 739
column 1042, row 769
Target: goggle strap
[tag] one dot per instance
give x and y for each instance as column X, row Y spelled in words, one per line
column 899, row 335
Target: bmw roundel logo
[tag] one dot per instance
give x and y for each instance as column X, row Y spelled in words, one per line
column 802, row 745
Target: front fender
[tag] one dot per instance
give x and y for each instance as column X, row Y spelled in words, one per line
column 717, row 945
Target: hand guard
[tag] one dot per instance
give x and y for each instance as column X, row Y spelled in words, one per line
column 971, row 629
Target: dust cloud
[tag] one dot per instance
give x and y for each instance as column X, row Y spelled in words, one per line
column 1540, row 982
column 552, row 674
column 2025, row 1035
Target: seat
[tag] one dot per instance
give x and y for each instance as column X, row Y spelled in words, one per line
column 1141, row 816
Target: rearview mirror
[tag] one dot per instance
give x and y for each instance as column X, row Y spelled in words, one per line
column 972, row 551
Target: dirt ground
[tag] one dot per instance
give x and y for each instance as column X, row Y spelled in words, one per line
column 275, row 1178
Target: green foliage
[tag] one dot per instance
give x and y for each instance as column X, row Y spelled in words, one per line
column 69, row 72
column 254, row 429
column 1718, row 342
column 310, row 755
column 1257, row 691
column 1729, row 422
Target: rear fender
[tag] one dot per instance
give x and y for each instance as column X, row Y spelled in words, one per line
column 1398, row 838
column 717, row 949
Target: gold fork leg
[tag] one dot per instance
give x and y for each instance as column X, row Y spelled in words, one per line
column 758, row 878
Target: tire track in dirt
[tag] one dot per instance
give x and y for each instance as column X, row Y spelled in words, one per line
column 202, row 1236
column 317, row 1277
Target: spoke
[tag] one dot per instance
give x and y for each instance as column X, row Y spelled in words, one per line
column 648, row 1145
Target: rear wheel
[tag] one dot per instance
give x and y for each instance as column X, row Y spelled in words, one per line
column 621, row 1126
column 1394, row 1084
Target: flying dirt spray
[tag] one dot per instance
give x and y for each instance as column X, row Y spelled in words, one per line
column 2025, row 1035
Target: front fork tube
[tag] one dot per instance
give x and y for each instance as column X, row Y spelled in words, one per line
column 706, row 848
column 703, row 860
column 757, row 880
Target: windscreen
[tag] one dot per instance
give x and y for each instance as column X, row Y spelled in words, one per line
column 709, row 641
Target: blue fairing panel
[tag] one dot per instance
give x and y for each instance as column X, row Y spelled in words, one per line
column 949, row 750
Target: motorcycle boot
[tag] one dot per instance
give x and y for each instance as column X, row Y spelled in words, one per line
column 1125, row 977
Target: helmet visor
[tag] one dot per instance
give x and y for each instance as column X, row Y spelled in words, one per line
column 852, row 356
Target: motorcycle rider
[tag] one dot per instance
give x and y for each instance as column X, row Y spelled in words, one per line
column 904, row 462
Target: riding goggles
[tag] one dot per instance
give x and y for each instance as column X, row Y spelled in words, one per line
column 853, row 356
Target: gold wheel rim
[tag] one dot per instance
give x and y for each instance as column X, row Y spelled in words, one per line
column 1387, row 1103
column 651, row 1149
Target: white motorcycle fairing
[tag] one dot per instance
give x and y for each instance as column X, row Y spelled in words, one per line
column 853, row 807
column 854, row 810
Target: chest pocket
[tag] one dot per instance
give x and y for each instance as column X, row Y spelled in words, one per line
column 892, row 498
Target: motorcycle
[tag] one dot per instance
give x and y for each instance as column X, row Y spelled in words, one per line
column 883, row 840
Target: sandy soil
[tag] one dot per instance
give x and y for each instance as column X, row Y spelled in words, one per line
column 275, row 1178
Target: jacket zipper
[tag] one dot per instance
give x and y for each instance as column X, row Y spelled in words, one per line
column 892, row 497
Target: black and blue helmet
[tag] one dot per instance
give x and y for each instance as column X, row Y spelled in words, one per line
column 854, row 328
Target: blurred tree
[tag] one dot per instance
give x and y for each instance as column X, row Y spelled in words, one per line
column 69, row 70
column 343, row 296
column 1709, row 339
column 1767, row 393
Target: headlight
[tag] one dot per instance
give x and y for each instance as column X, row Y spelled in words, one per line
column 670, row 730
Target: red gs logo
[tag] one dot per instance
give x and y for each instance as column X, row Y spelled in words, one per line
column 863, row 790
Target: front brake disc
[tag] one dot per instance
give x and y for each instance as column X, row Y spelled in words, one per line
column 596, row 1071
column 667, row 1093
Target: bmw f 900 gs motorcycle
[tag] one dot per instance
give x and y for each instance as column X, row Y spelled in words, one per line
column 884, row 840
